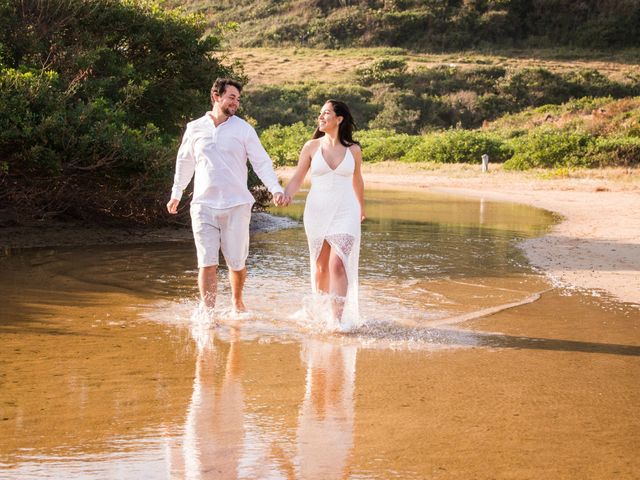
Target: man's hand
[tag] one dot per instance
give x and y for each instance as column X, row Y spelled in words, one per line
column 172, row 206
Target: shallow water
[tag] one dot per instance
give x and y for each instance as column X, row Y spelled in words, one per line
column 470, row 364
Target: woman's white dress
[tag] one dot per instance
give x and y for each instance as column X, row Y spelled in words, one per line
column 332, row 213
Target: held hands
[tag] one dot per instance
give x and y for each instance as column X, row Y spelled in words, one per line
column 281, row 200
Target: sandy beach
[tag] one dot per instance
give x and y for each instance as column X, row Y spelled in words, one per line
column 595, row 245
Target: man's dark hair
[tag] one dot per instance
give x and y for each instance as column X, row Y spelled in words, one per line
column 221, row 84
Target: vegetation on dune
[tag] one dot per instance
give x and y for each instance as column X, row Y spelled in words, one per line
column 388, row 96
column 588, row 132
column 530, row 117
column 429, row 25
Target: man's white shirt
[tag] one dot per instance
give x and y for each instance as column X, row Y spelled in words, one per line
column 218, row 157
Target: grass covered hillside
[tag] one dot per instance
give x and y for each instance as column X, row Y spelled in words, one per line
column 416, row 93
column 533, row 110
column 427, row 25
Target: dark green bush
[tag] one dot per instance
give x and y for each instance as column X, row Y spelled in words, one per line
column 491, row 106
column 401, row 111
column 358, row 98
column 458, row 146
column 344, row 25
column 445, row 79
column 550, row 148
column 615, row 151
column 94, row 132
column 386, row 70
column 284, row 143
column 532, row 87
column 592, row 83
column 287, row 104
column 430, row 25
column 383, row 145
column 277, row 105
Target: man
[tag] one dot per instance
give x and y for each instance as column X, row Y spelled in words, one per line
column 215, row 148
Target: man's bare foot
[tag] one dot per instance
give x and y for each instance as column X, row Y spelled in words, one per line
column 239, row 307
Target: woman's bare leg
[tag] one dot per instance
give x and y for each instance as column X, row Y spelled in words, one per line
column 338, row 284
column 322, row 269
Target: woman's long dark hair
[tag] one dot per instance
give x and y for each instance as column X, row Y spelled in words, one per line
column 346, row 127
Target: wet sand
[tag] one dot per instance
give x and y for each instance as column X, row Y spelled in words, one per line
column 92, row 390
column 595, row 245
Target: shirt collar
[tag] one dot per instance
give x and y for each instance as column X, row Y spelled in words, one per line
column 210, row 118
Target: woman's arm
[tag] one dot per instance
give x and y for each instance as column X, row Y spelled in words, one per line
column 304, row 162
column 358, row 182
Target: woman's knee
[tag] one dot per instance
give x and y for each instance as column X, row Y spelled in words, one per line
column 322, row 267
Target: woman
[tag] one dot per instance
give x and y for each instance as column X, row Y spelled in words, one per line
column 333, row 210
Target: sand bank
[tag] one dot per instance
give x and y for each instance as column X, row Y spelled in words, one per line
column 595, row 246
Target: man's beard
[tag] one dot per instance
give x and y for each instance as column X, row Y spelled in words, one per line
column 228, row 112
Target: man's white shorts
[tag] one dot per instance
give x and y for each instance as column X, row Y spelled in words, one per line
column 225, row 229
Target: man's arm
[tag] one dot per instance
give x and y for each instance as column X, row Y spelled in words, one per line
column 261, row 163
column 185, row 167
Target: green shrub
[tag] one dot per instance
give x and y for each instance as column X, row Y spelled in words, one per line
column 615, row 152
column 491, row 106
column 284, row 143
column 592, row 83
column 534, row 87
column 277, row 105
column 386, row 70
column 401, row 111
column 381, row 145
column 458, row 146
column 445, row 79
column 94, row 134
column 463, row 109
column 344, row 25
column 288, row 104
column 550, row 148
column 399, row 27
column 358, row 98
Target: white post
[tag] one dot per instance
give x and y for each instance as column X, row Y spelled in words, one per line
column 485, row 162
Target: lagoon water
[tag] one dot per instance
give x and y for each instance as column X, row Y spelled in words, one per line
column 470, row 365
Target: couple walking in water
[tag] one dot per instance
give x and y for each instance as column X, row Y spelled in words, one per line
column 215, row 149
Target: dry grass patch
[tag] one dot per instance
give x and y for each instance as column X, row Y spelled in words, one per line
column 297, row 65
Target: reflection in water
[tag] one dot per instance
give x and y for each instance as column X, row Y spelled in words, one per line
column 221, row 439
column 214, row 429
column 325, row 429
